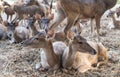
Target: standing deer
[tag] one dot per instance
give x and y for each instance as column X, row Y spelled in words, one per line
column 8, row 10
column 75, row 10
column 28, row 10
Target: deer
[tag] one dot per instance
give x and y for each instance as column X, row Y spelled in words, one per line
column 77, row 59
column 8, row 10
column 115, row 22
column 31, row 24
column 42, row 23
column 1, row 9
column 118, row 11
column 29, row 10
column 3, row 32
column 53, row 52
column 44, row 4
column 16, row 33
column 80, row 58
column 82, row 9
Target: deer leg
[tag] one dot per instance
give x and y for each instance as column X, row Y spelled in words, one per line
column 57, row 22
column 84, row 68
column 10, row 17
column 0, row 19
column 92, row 25
column 103, row 62
column 70, row 23
column 98, row 27
column 100, row 63
column 7, row 17
column 79, row 28
column 60, row 17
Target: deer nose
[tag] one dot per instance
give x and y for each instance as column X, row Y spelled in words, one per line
column 22, row 42
column 27, row 27
column 94, row 52
column 10, row 35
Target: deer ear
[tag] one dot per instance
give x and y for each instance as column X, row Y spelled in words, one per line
column 51, row 17
column 51, row 34
column 37, row 16
column 16, row 24
column 25, row 16
column 5, row 23
column 70, row 35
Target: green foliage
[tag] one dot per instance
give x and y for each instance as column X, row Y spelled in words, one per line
column 118, row 1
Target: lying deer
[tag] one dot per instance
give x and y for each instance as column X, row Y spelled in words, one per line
column 15, row 32
column 43, row 23
column 115, row 22
column 52, row 56
column 3, row 32
column 82, row 9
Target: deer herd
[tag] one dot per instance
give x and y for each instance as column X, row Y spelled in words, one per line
column 34, row 26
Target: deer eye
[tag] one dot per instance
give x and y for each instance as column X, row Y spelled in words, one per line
column 36, row 38
column 80, row 42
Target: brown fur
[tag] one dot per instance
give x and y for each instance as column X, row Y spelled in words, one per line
column 8, row 10
column 83, row 61
column 54, row 52
column 29, row 10
column 80, row 10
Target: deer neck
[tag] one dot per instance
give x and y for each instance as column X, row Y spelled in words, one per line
column 50, row 54
column 69, row 56
column 34, row 30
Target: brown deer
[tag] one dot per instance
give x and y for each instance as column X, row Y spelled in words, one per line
column 75, row 58
column 82, row 9
column 53, row 52
column 28, row 10
column 8, row 10
column 115, row 22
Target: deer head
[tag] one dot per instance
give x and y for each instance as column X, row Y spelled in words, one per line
column 10, row 28
column 79, row 43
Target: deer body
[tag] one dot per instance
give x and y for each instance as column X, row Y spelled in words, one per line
column 54, row 52
column 21, row 33
column 28, row 10
column 84, row 61
column 82, row 9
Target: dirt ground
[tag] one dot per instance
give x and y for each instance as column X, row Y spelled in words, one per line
column 20, row 62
